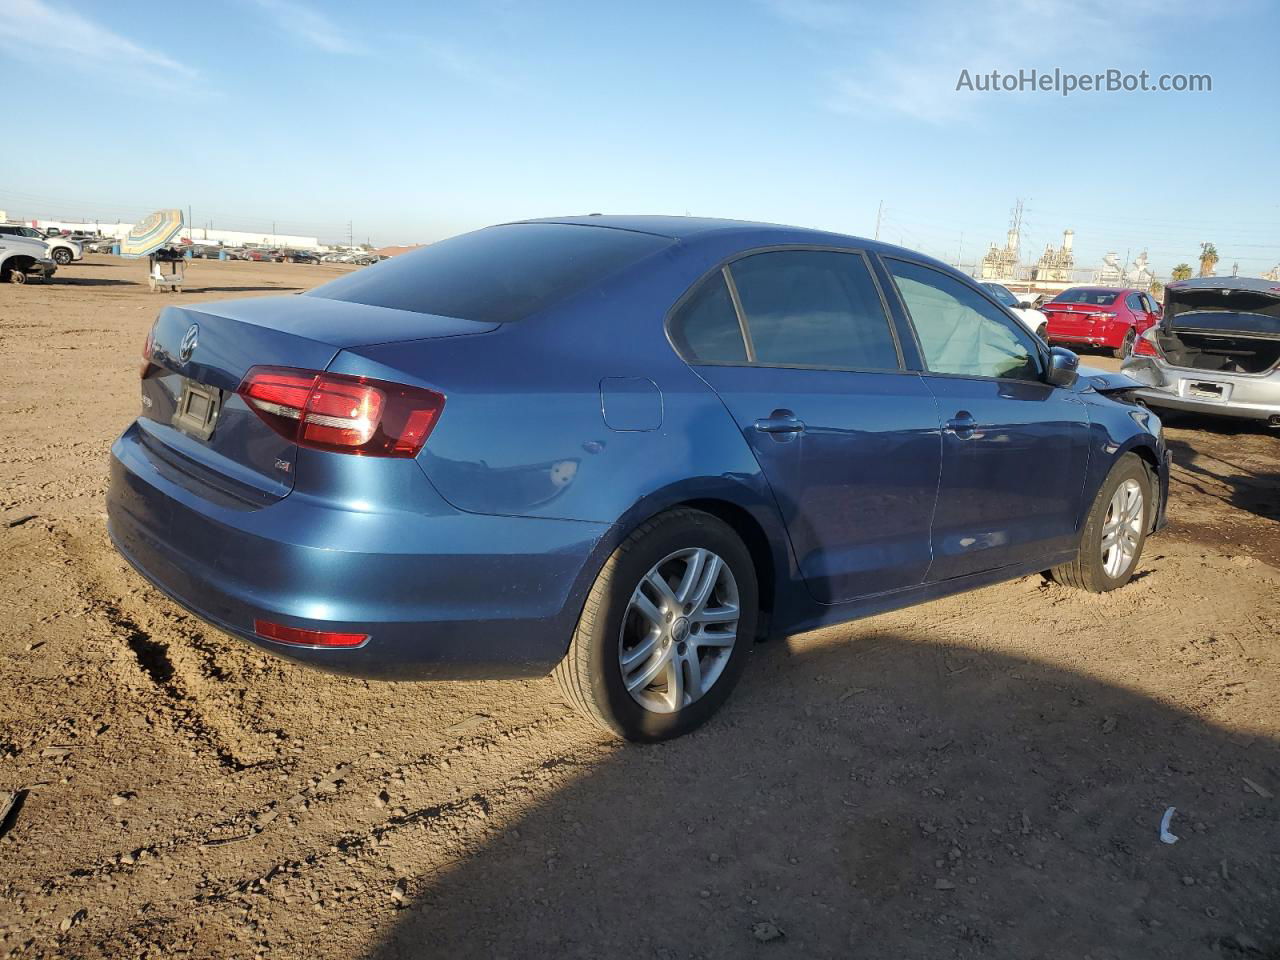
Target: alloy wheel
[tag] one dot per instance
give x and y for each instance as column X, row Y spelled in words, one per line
column 1122, row 528
column 679, row 630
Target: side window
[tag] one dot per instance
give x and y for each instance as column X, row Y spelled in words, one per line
column 814, row 308
column 705, row 329
column 1134, row 303
column 960, row 332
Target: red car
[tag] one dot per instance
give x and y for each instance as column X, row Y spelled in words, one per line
column 1100, row 317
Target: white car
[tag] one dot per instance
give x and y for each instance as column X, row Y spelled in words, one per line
column 61, row 250
column 22, row 257
column 1031, row 318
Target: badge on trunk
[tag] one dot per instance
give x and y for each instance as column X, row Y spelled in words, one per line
column 190, row 340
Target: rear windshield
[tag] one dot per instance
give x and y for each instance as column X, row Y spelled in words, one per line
column 495, row 275
column 1095, row 298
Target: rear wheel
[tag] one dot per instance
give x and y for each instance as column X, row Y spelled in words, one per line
column 1126, row 345
column 1115, row 530
column 666, row 629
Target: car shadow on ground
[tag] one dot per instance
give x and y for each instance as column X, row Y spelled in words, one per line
column 1252, row 490
column 274, row 287
column 887, row 798
column 62, row 280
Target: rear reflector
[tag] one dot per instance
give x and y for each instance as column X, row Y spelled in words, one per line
column 331, row 411
column 306, row 638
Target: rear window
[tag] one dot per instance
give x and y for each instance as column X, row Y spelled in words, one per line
column 495, row 275
column 1095, row 298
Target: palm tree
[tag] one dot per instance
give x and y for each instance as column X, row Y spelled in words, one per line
column 1182, row 272
column 1157, row 289
column 1208, row 259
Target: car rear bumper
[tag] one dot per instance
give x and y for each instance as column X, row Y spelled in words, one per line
column 443, row 596
column 1175, row 388
column 1247, row 411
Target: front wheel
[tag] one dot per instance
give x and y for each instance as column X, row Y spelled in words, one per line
column 1115, row 530
column 62, row 256
column 666, row 629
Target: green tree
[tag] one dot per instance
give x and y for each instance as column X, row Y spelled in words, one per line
column 1182, row 272
column 1156, row 289
column 1208, row 259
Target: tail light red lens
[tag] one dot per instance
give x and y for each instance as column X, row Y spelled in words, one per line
column 147, row 346
column 306, row 638
column 331, row 411
column 1145, row 345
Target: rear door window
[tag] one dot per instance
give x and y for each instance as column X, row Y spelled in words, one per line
column 814, row 308
column 960, row 332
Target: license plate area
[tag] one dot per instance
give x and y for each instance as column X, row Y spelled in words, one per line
column 1206, row 390
column 198, row 409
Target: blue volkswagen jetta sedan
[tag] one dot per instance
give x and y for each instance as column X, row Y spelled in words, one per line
column 619, row 448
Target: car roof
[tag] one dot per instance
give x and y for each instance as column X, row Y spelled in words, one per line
column 749, row 232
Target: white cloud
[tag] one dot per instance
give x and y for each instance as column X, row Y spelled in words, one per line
column 34, row 31
column 311, row 27
column 908, row 63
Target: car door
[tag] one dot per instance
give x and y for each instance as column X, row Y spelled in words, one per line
column 800, row 348
column 1014, row 448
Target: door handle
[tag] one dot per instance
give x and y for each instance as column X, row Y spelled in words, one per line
column 780, row 424
column 962, row 425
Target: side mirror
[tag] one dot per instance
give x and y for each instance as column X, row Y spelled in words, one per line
column 1063, row 367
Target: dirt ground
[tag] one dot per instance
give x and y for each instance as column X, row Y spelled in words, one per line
column 983, row 776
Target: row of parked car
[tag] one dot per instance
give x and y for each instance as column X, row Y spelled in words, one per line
column 1213, row 347
column 279, row 255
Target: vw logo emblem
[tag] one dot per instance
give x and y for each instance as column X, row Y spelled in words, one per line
column 189, row 341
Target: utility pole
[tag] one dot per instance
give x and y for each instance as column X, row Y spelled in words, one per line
column 350, row 235
column 879, row 212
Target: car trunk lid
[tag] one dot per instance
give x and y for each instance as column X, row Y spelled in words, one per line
column 202, row 430
column 1222, row 327
column 1076, row 319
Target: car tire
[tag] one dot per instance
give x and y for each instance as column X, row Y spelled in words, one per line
column 1124, row 524
column 1126, row 345
column 17, row 275
column 61, row 256
column 644, row 696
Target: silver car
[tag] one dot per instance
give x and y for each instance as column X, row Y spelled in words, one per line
column 1215, row 351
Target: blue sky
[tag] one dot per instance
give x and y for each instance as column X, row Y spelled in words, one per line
column 420, row 120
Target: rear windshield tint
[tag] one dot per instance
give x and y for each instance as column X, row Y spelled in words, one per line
column 495, row 275
column 1096, row 298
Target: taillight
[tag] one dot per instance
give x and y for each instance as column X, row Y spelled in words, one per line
column 1145, row 345
column 147, row 346
column 332, row 411
column 300, row 637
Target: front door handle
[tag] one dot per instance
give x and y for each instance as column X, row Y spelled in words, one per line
column 780, row 423
column 962, row 425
